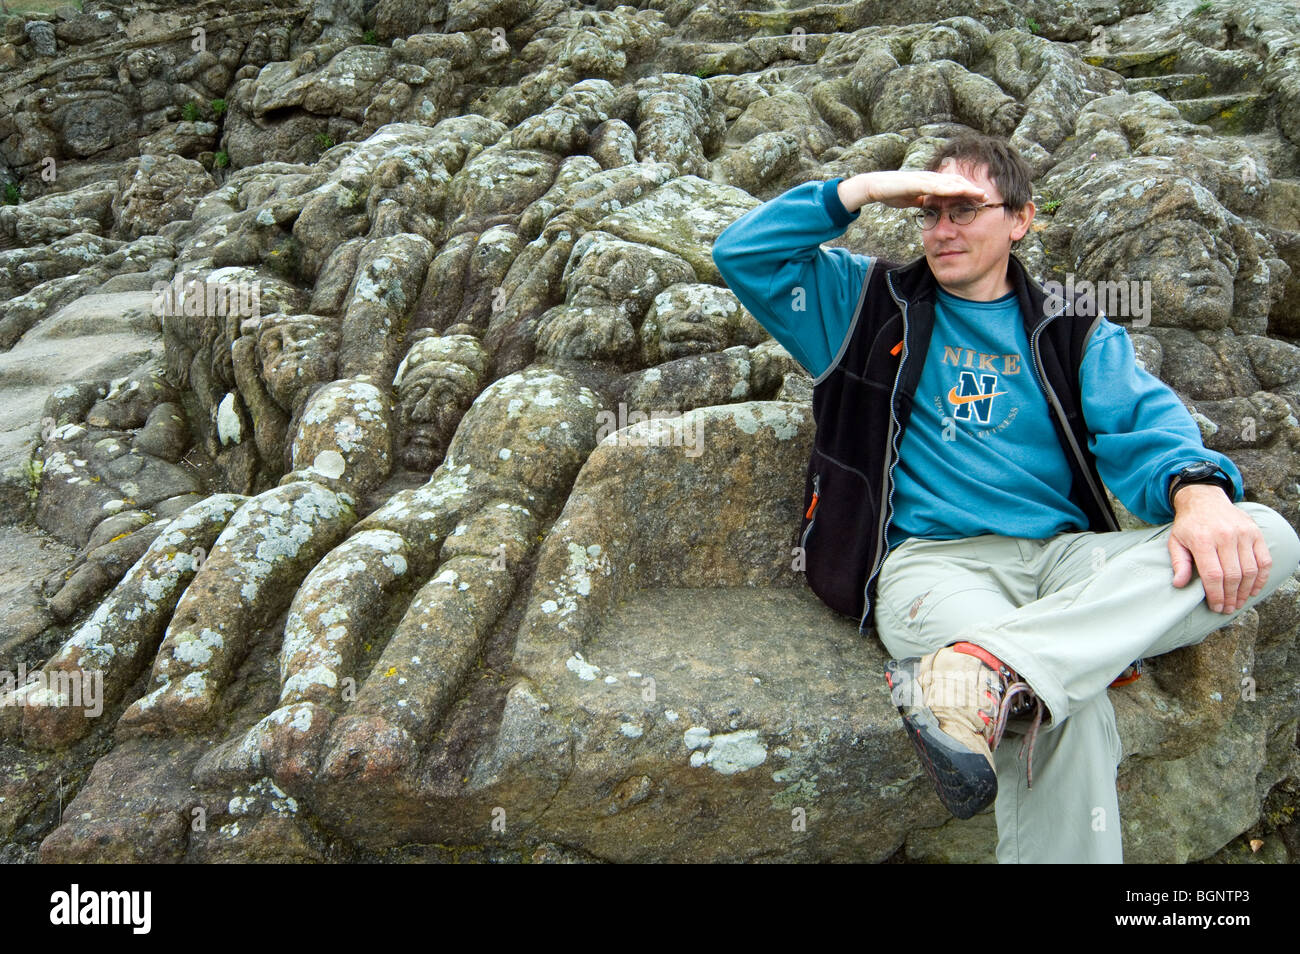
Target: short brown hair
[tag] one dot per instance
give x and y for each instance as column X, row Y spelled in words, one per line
column 1006, row 168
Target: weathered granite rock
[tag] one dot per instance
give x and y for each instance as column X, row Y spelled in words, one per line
column 115, row 644
column 40, row 33
column 262, row 555
column 345, row 427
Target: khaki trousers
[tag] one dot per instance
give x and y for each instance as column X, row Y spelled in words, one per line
column 1068, row 613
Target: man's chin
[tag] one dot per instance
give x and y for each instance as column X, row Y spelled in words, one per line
column 949, row 265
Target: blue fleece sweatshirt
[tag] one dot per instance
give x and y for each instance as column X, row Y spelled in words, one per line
column 980, row 453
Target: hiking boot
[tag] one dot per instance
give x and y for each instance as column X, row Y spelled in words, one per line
column 955, row 705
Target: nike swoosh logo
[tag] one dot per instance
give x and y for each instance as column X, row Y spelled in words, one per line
column 955, row 398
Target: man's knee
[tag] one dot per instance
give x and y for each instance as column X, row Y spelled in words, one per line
column 901, row 644
column 1280, row 538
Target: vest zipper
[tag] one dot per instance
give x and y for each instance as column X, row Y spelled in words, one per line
column 812, row 508
column 891, row 458
column 1046, row 388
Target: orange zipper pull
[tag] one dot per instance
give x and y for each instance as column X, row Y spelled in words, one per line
column 896, row 348
column 811, row 507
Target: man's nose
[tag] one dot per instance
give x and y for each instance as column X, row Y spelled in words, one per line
column 945, row 227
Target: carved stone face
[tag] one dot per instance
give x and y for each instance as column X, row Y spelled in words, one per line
column 297, row 352
column 1186, row 254
column 141, row 64
column 912, row 95
column 693, row 331
column 432, row 398
column 1143, row 220
column 1191, row 272
column 612, row 271
column 691, row 319
column 436, row 383
column 940, row 43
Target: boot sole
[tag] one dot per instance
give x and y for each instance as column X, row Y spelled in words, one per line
column 963, row 780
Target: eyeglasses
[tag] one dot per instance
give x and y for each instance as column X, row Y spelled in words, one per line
column 960, row 214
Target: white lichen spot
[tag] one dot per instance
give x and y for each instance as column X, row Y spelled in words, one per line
column 631, row 730
column 737, row 752
column 192, row 686
column 228, row 427
column 329, row 463
column 198, row 650
column 584, row 669
column 302, row 718
column 750, row 417
column 696, row 737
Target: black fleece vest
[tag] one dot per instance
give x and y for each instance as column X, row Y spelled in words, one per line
column 859, row 429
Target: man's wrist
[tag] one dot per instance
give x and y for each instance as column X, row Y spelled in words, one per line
column 1191, row 491
column 855, row 192
column 1204, row 473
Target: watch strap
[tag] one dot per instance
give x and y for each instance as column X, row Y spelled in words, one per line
column 1220, row 479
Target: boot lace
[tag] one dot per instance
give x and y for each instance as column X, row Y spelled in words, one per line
column 1014, row 698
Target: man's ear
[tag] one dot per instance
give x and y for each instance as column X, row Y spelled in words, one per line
column 1024, row 218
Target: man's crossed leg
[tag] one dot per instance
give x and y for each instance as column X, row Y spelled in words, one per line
column 1068, row 614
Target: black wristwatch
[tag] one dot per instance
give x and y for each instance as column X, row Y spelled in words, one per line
column 1206, row 472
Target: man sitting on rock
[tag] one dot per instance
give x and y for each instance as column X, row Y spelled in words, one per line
column 966, row 419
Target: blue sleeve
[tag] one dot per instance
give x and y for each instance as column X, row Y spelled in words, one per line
column 1139, row 430
column 804, row 295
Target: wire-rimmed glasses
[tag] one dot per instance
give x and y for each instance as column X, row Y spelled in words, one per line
column 960, row 214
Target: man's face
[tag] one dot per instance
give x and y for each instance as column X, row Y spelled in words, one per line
column 963, row 257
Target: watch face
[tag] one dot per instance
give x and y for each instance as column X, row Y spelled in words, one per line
column 1198, row 471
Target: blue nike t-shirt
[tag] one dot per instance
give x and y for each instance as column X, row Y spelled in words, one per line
column 980, row 440
column 980, row 453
